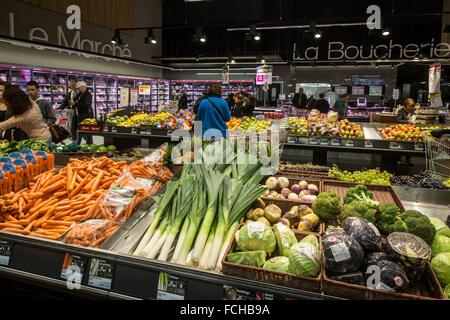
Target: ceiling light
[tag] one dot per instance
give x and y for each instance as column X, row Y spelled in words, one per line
column 117, row 39
column 203, row 39
column 232, row 60
column 386, row 32
column 150, row 37
column 257, row 36
column 318, row 34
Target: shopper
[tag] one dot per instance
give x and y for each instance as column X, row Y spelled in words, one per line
column 248, row 106
column 300, row 100
column 83, row 110
column 199, row 101
column 341, row 106
column 214, row 113
column 3, row 109
column 230, row 101
column 69, row 103
column 311, row 104
column 407, row 113
column 322, row 104
column 48, row 114
column 183, row 102
column 25, row 114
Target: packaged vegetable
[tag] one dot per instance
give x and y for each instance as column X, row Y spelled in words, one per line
column 279, row 264
column 91, row 233
column 256, row 236
column 248, row 258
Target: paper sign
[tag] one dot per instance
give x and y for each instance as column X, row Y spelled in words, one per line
column 124, row 97
column 134, row 97
column 145, row 90
column 435, row 78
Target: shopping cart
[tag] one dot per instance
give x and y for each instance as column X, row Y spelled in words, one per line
column 438, row 155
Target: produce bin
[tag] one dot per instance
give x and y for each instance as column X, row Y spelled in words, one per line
column 272, row 277
column 382, row 194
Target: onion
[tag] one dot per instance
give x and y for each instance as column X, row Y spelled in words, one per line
column 303, row 185
column 272, row 183
column 296, row 188
column 285, row 192
column 283, row 182
column 313, row 189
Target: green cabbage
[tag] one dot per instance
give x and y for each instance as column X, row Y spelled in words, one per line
column 279, row 264
column 285, row 238
column 312, row 239
column 441, row 267
column 304, row 260
column 249, row 258
column 441, row 227
column 256, row 236
column 447, row 292
column 440, row 244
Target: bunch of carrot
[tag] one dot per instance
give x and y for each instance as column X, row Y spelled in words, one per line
column 91, row 233
column 141, row 169
column 54, row 201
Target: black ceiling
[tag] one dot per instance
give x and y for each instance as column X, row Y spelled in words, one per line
column 409, row 20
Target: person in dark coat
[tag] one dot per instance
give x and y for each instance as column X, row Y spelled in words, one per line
column 300, row 100
column 183, row 102
column 199, row 101
column 83, row 110
column 322, row 104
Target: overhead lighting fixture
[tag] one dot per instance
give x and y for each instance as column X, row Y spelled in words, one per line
column 318, row 34
column 117, row 39
column 197, row 59
column 150, row 38
column 203, row 39
column 257, row 36
column 231, row 60
column 253, row 34
column 199, row 35
column 386, row 32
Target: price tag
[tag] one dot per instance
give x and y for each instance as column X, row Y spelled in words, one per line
column 101, row 274
column 324, row 142
column 368, row 144
column 73, row 266
column 335, row 142
column 134, row 130
column 231, row 293
column 419, row 146
column 313, row 141
column 5, row 252
column 302, row 140
column 105, row 129
column 171, row 287
column 114, row 129
column 291, row 139
column 349, row 143
column 394, row 146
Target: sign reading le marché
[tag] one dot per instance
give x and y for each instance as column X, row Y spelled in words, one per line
column 70, row 36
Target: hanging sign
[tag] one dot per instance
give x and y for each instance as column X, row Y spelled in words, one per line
column 226, row 75
column 264, row 75
column 124, row 97
column 435, row 78
column 134, row 97
column 145, row 90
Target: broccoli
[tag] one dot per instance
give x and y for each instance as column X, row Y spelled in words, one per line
column 327, row 206
column 361, row 193
column 419, row 225
column 358, row 209
column 389, row 220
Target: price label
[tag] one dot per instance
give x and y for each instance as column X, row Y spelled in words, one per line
column 419, row 146
column 349, row 143
column 368, row 144
column 394, row 146
column 324, row 142
column 114, row 129
column 101, row 274
column 171, row 287
column 335, row 142
column 134, row 130
column 302, row 140
column 313, row 141
column 5, row 252
column 105, row 129
column 73, row 266
column 291, row 140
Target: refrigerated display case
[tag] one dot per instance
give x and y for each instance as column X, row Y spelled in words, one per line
column 20, row 77
column 105, row 94
column 59, row 88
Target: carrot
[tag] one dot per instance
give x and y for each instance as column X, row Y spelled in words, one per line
column 30, row 226
column 59, row 223
column 88, row 186
column 60, row 194
column 63, row 208
column 79, row 187
column 10, row 225
column 97, row 181
column 74, row 218
column 54, row 187
column 34, row 234
column 98, row 242
column 10, row 217
column 106, row 185
column 78, row 179
column 22, row 223
column 36, row 195
column 15, row 230
column 21, row 204
column 62, row 215
column 80, row 212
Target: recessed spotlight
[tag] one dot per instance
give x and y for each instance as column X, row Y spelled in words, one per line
column 318, row 34
column 257, row 36
column 386, row 32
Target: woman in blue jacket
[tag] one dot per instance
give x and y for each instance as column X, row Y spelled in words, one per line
column 214, row 113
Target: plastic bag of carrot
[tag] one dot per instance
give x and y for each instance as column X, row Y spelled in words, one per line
column 91, row 233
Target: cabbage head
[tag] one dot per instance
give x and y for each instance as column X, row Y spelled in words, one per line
column 249, row 258
column 447, row 292
column 256, row 236
column 441, row 267
column 304, row 260
column 285, row 238
column 279, row 264
column 441, row 228
column 440, row 244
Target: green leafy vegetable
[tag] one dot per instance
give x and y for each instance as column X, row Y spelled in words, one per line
column 279, row 264
column 327, row 206
column 441, row 267
column 248, row 258
column 358, row 209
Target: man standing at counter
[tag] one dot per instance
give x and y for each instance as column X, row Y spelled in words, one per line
column 341, row 106
column 300, row 100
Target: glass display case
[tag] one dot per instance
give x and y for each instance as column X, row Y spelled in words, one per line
column 20, row 77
